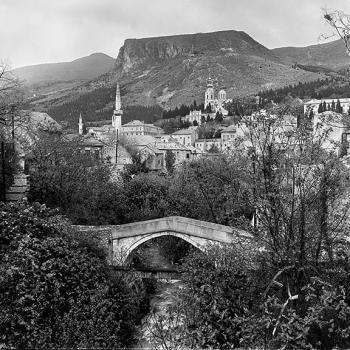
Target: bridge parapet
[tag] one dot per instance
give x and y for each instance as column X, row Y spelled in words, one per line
column 123, row 239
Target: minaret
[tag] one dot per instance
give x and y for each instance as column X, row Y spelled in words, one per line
column 117, row 113
column 80, row 125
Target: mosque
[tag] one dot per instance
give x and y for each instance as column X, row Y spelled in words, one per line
column 133, row 128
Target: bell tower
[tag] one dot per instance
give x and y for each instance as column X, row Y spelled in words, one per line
column 117, row 113
column 221, row 97
column 209, row 94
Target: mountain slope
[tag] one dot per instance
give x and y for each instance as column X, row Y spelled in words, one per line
column 84, row 68
column 331, row 55
column 173, row 70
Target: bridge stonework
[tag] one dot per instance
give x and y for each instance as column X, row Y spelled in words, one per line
column 124, row 239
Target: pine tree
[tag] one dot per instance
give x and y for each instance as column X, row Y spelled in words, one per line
column 333, row 106
column 328, row 107
column 324, row 106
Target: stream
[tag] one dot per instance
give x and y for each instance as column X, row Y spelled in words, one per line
column 164, row 295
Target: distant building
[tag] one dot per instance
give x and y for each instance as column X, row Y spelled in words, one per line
column 138, row 128
column 92, row 146
column 153, row 156
column 194, row 116
column 206, row 145
column 228, row 135
column 181, row 152
column 217, row 104
column 333, row 125
column 186, row 137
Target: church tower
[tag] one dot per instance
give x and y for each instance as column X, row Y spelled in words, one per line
column 221, row 97
column 209, row 94
column 117, row 113
column 80, row 125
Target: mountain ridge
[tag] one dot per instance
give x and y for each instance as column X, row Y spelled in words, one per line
column 82, row 68
column 329, row 55
column 173, row 70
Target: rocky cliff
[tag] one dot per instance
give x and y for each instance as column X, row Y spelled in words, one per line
column 172, row 70
column 135, row 52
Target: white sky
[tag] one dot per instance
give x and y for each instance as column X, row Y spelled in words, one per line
column 39, row 31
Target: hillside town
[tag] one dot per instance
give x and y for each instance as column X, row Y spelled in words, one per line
column 189, row 190
column 113, row 142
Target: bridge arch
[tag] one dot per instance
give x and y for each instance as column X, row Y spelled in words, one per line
column 126, row 238
column 144, row 239
column 121, row 240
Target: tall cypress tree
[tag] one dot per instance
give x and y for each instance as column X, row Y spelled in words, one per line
column 324, row 106
column 333, row 106
column 320, row 108
column 338, row 108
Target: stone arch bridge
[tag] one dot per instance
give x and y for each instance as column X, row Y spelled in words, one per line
column 122, row 240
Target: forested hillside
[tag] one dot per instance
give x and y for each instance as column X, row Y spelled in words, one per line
column 326, row 88
column 98, row 105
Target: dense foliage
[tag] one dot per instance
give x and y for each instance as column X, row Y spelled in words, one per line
column 183, row 110
column 98, row 105
column 55, row 292
column 282, row 185
column 8, row 166
column 335, row 87
column 227, row 301
column 81, row 186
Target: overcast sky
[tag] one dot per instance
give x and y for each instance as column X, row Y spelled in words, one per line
column 39, row 31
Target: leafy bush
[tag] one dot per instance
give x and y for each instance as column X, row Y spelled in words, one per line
column 56, row 293
column 218, row 292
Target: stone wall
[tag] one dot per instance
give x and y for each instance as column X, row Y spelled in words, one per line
column 19, row 189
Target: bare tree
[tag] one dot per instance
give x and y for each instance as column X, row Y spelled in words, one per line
column 340, row 22
column 11, row 103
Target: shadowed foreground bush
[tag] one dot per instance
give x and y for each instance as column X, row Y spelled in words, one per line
column 54, row 292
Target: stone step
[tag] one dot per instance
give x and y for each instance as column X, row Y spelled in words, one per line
column 14, row 197
column 17, row 189
column 20, row 181
column 20, row 176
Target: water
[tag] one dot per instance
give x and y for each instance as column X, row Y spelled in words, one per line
column 164, row 296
